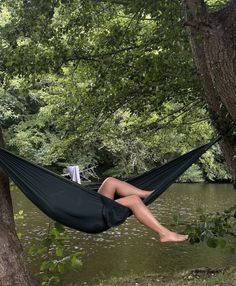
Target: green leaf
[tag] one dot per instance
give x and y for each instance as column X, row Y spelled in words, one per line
column 212, row 242
column 59, row 251
column 19, row 234
column 46, row 265
column 60, row 228
column 75, row 261
column 32, row 251
column 54, row 232
column 61, row 268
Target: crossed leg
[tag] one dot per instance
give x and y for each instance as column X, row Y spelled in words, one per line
column 112, row 186
column 132, row 198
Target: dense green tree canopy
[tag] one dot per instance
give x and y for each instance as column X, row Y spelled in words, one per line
column 107, row 83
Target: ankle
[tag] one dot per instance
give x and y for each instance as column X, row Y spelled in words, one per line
column 164, row 232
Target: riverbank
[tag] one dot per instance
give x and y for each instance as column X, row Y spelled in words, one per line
column 196, row 277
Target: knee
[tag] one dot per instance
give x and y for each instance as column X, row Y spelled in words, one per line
column 134, row 199
column 109, row 181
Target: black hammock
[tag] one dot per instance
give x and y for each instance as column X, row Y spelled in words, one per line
column 82, row 207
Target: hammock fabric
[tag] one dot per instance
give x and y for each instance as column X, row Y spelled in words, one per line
column 80, row 207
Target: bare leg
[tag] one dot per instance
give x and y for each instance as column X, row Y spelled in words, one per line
column 110, row 186
column 144, row 216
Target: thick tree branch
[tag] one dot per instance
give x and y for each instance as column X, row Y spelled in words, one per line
column 198, row 11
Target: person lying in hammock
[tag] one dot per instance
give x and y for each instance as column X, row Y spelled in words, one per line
column 131, row 197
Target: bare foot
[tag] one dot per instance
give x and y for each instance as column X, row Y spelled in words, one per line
column 173, row 237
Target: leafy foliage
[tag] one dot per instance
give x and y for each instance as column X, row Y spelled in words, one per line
column 213, row 228
column 101, row 83
column 54, row 261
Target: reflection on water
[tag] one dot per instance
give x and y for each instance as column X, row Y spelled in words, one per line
column 131, row 248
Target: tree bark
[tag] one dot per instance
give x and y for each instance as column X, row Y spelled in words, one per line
column 13, row 269
column 213, row 59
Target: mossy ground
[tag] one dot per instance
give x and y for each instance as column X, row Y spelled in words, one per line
column 197, row 277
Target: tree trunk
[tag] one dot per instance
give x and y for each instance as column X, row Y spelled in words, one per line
column 12, row 261
column 214, row 61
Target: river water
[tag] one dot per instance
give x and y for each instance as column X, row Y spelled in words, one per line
column 131, row 248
